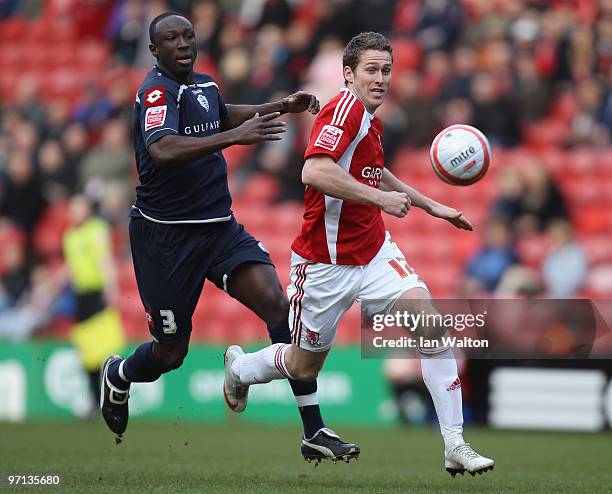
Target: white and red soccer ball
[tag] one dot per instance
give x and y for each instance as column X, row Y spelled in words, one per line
column 460, row 155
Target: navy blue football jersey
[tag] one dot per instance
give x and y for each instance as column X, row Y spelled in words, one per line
column 189, row 192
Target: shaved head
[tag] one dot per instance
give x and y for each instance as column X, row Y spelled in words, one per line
column 154, row 22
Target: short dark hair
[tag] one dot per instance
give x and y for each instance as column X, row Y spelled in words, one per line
column 362, row 42
column 154, row 22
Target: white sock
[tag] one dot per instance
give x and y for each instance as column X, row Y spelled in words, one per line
column 263, row 366
column 440, row 376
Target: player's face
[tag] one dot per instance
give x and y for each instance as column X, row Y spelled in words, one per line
column 175, row 47
column 370, row 79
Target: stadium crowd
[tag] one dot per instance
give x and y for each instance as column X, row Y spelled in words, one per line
column 533, row 75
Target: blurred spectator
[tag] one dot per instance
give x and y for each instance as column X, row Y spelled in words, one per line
column 21, row 183
column 94, row 108
column 75, row 143
column 541, row 201
column 586, row 128
column 207, row 22
column 493, row 114
column 56, row 179
column 24, row 307
column 111, row 160
column 464, row 66
column 410, row 120
column 27, row 100
column 234, row 68
column 439, row 24
column 519, row 281
column 565, row 267
column 487, row 266
column 531, row 92
column 507, row 206
column 126, row 28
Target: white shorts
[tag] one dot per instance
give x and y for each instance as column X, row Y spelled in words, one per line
column 319, row 294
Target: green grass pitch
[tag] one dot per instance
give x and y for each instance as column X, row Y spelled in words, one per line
column 234, row 457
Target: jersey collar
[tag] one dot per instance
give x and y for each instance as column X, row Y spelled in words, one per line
column 169, row 76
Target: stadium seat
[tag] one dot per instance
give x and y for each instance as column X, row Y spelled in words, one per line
column 406, row 55
column 599, row 280
column 593, row 219
column 545, row 133
column 598, row 248
column 259, row 189
column 10, row 237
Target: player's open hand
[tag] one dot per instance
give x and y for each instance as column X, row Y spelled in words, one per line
column 299, row 102
column 451, row 215
column 259, row 129
column 395, row 203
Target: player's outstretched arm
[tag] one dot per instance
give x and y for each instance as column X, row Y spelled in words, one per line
column 294, row 103
column 174, row 149
column 390, row 182
column 323, row 174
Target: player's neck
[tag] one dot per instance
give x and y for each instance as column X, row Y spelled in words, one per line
column 183, row 79
column 351, row 88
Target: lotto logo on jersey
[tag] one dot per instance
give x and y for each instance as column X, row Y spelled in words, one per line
column 155, row 117
column 329, row 137
column 155, row 97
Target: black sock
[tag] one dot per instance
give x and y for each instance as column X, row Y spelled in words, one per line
column 311, row 414
column 140, row 367
column 312, row 420
column 94, row 384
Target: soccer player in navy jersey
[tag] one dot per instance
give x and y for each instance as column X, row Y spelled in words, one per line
column 182, row 229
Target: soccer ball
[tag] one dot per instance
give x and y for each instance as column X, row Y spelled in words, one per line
column 460, row 155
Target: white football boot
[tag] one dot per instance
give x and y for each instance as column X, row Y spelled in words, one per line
column 463, row 458
column 236, row 394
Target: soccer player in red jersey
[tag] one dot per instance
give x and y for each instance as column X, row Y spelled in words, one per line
column 343, row 254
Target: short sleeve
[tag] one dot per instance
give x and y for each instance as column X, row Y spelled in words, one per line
column 222, row 107
column 158, row 113
column 336, row 126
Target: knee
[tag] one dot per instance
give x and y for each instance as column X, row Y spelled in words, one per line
column 171, row 358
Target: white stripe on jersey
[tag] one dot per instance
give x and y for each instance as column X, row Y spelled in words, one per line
column 159, row 130
column 183, row 87
column 344, row 96
column 348, row 110
column 346, row 105
column 333, row 206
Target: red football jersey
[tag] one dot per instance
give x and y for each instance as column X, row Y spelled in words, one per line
column 337, row 231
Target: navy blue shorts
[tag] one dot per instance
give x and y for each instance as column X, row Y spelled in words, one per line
column 172, row 261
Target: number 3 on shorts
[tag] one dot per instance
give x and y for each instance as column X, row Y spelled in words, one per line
column 168, row 321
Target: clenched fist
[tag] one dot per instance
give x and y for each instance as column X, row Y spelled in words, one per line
column 299, row 102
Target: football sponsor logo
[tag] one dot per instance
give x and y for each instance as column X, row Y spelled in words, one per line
column 329, row 137
column 372, row 172
column 155, row 97
column 155, row 117
column 202, row 127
